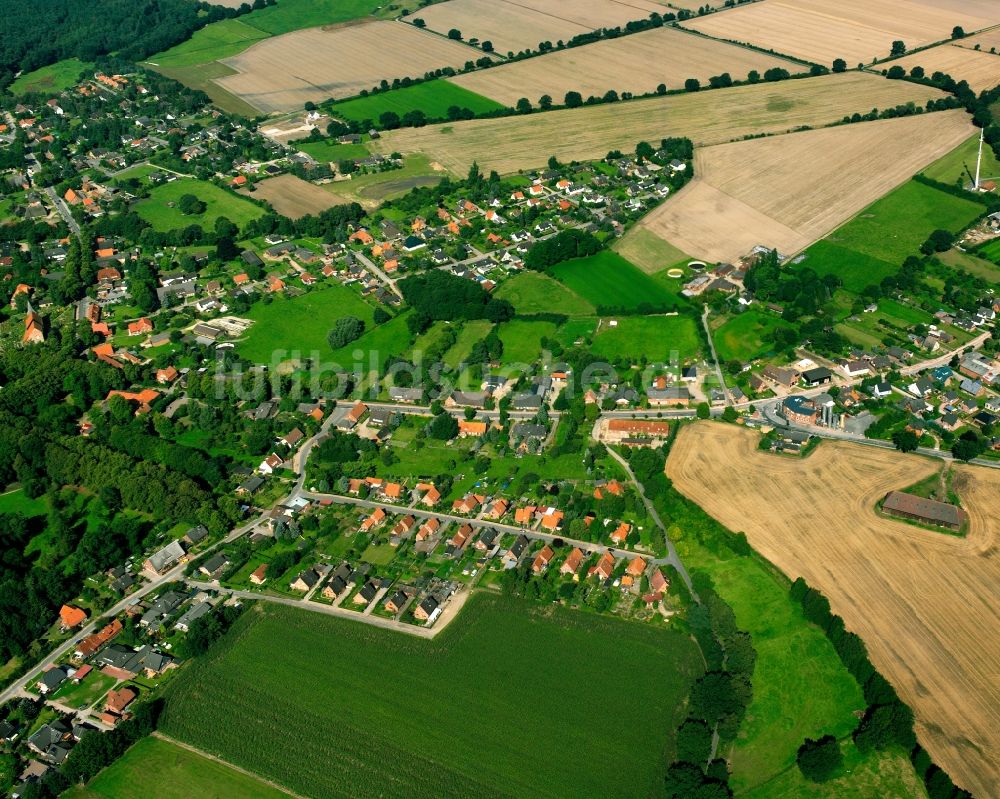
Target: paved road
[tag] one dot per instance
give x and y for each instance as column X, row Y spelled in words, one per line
column 373, row 267
column 63, row 210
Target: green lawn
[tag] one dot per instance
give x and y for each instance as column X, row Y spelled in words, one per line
column 800, row 687
column 648, row 251
column 959, row 166
column 330, row 150
column 433, row 97
column 300, row 324
column 471, row 332
column 219, row 203
column 654, row 338
column 522, row 340
column 18, row 502
column 746, row 336
column 877, row 241
column 154, row 767
column 90, row 689
column 533, row 292
column 610, row 282
column 513, row 699
column 53, row 78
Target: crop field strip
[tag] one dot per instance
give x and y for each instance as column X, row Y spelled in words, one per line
column 924, row 602
column 341, row 709
column 284, row 72
column 514, row 26
column 858, row 31
column 636, row 63
column 789, row 191
column 981, row 70
column 710, row 117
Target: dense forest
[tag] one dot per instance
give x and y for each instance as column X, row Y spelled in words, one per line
column 38, row 34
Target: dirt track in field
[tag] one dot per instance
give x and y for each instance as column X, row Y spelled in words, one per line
column 710, row 117
column 788, row 191
column 924, row 602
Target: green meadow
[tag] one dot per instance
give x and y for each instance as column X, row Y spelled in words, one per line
column 433, row 97
column 161, row 211
column 609, row 282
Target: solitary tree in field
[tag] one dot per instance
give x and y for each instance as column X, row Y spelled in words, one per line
column 898, row 48
column 573, row 99
column 455, row 34
column 189, row 205
column 487, row 46
column 523, row 106
column 839, row 65
column 545, row 102
column 661, row 88
column 692, row 85
column 958, row 32
column 344, row 331
column 419, row 22
column 819, row 760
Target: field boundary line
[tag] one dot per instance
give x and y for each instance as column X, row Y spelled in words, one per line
column 270, row 783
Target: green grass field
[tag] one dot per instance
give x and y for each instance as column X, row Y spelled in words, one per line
column 154, row 767
column 376, row 344
column 219, row 203
column 331, row 151
column 959, row 166
column 609, row 281
column 18, row 502
column 800, row 687
column 967, row 262
column 434, row 98
column 53, row 78
column 90, row 689
column 300, row 323
column 219, row 40
column 746, row 336
column 522, row 339
column 471, row 332
column 533, row 292
column 877, row 241
column 648, row 251
column 376, row 187
column 506, row 702
column 654, row 338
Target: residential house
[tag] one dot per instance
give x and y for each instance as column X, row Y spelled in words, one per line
column 542, row 559
column 572, row 564
column 604, row 568
column 164, row 558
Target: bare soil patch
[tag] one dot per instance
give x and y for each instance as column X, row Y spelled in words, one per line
column 924, row 602
column 294, row 197
column 711, row 117
column 858, row 31
column 788, row 191
column 282, row 73
column 636, row 63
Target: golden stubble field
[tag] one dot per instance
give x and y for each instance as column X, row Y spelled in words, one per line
column 283, row 72
column 636, row 63
column 788, row 191
column 294, row 197
column 980, row 69
column 924, row 602
column 513, row 26
column 711, row 117
column 858, row 31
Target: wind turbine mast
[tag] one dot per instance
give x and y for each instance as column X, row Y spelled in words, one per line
column 979, row 159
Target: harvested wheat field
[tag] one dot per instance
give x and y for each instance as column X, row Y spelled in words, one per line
column 294, row 197
column 788, row 191
column 636, row 63
column 710, row 117
column 988, row 42
column 924, row 602
column 980, row 70
column 283, row 72
column 515, row 26
column 858, row 31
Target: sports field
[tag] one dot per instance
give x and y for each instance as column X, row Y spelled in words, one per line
column 608, row 281
column 300, row 324
column 787, row 191
column 654, row 338
column 877, row 241
column 294, row 197
column 331, row 708
column 284, row 72
column 512, row 26
column 161, row 211
column 53, row 78
column 637, row 64
column 434, row 98
column 896, row 585
column 858, row 31
column 709, row 117
column 980, row 70
column 160, row 768
column 746, row 336
column 531, row 293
